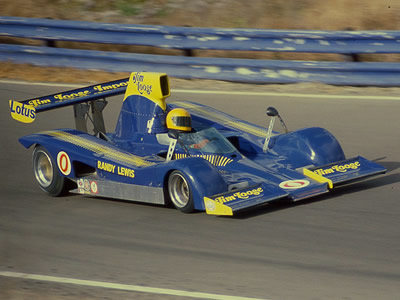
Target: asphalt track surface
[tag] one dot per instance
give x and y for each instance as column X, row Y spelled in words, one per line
column 345, row 245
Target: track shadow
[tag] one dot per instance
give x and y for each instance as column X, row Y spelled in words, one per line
column 390, row 165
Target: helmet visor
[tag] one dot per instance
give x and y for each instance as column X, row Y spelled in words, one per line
column 182, row 121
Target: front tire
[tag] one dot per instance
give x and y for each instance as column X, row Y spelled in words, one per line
column 179, row 192
column 46, row 172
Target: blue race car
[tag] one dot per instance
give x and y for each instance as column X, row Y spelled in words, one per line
column 187, row 154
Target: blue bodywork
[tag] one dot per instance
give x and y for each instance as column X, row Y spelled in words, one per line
column 232, row 175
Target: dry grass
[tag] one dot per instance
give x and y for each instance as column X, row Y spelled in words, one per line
column 267, row 14
column 271, row 14
column 27, row 72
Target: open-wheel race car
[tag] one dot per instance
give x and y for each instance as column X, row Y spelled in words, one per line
column 184, row 153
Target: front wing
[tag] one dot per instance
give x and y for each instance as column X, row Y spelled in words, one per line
column 344, row 172
column 236, row 200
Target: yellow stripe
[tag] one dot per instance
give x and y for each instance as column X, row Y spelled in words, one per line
column 116, row 155
column 100, row 149
column 215, row 160
column 225, row 120
column 224, row 161
column 317, row 178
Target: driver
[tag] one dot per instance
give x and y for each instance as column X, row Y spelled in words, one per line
column 179, row 119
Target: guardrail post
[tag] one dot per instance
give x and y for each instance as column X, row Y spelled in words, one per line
column 50, row 43
column 353, row 57
column 188, row 52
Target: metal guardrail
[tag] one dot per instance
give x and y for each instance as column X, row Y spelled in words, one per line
column 239, row 70
column 341, row 42
column 184, row 38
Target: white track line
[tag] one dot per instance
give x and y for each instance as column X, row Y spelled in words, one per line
column 124, row 287
column 295, row 95
column 234, row 93
column 67, row 85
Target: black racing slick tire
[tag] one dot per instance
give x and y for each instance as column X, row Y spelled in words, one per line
column 180, row 192
column 46, row 173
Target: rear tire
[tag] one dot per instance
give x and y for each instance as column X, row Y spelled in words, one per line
column 46, row 173
column 179, row 192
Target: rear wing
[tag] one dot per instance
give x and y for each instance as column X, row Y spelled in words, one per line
column 85, row 94
column 91, row 96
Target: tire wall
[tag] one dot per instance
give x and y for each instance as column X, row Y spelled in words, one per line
column 204, row 179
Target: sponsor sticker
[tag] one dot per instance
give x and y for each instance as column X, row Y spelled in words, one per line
column 86, row 185
column 64, row 163
column 294, row 184
column 240, row 195
column 340, row 168
column 105, row 87
column 115, row 169
column 80, row 183
column 21, row 112
column 93, row 187
column 39, row 102
column 81, row 190
column 139, row 80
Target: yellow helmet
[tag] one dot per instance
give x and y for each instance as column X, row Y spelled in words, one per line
column 179, row 119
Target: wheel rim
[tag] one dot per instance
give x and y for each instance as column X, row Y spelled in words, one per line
column 43, row 168
column 179, row 190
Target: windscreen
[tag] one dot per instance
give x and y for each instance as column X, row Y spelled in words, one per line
column 208, row 141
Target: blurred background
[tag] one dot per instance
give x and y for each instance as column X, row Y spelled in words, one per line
column 263, row 14
column 271, row 14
